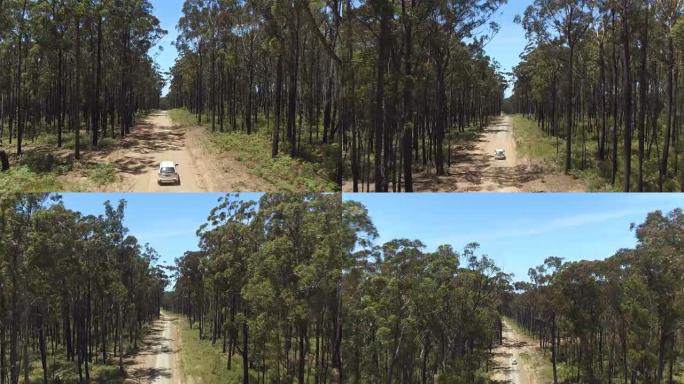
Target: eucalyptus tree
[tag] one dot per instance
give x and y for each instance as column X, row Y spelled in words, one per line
column 266, row 67
column 624, row 64
column 430, row 79
column 617, row 319
column 268, row 283
column 67, row 292
column 570, row 19
column 53, row 49
column 421, row 316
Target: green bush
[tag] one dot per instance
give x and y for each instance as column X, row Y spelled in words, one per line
column 102, row 173
column 22, row 178
column 284, row 172
column 314, row 172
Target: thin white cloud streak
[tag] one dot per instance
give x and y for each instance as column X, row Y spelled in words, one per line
column 538, row 228
column 567, row 222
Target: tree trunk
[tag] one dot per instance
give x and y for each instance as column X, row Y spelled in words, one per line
column 4, row 161
column 245, row 355
column 569, row 116
column 643, row 91
column 627, row 137
column 378, row 109
column 670, row 108
column 76, row 102
column 95, row 113
column 554, row 352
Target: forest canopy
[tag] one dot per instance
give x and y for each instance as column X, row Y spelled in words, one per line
column 76, row 290
column 294, row 289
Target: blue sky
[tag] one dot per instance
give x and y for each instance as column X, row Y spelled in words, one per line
column 168, row 12
column 517, row 230
column 505, row 48
column 510, row 42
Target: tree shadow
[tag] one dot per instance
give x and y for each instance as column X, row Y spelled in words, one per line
column 147, row 375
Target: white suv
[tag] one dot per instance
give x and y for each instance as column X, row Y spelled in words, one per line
column 168, row 173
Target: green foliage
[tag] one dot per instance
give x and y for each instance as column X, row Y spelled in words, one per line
column 242, row 64
column 62, row 59
column 204, row 362
column 540, row 146
column 275, row 273
column 284, row 172
column 182, row 116
column 22, row 178
column 406, row 304
column 42, row 171
column 604, row 71
column 437, row 81
column 54, row 259
column 103, row 173
column 633, row 298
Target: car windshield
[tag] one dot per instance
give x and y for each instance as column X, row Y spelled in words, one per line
column 167, row 170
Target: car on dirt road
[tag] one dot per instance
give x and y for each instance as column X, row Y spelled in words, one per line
column 500, row 154
column 514, row 362
column 168, row 173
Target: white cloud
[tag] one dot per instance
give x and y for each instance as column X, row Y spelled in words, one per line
column 541, row 227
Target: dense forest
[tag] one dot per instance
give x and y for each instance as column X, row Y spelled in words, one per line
column 616, row 320
column 267, row 284
column 293, row 289
column 264, row 67
column 75, row 290
column 605, row 77
column 356, row 74
column 422, row 317
column 70, row 68
column 416, row 78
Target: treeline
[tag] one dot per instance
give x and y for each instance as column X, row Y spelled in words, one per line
column 262, row 66
column 606, row 77
column 616, row 320
column 75, row 290
column 294, row 290
column 267, row 284
column 414, row 76
column 422, row 317
column 72, row 65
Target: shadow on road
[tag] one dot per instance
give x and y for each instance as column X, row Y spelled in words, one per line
column 147, row 375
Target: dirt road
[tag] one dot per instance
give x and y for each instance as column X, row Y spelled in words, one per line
column 158, row 360
column 519, row 348
column 474, row 168
column 157, row 139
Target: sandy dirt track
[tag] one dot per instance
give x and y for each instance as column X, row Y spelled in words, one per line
column 158, row 360
column 474, row 168
column 513, row 346
column 157, row 139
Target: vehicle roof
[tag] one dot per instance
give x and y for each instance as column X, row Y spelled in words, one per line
column 165, row 164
